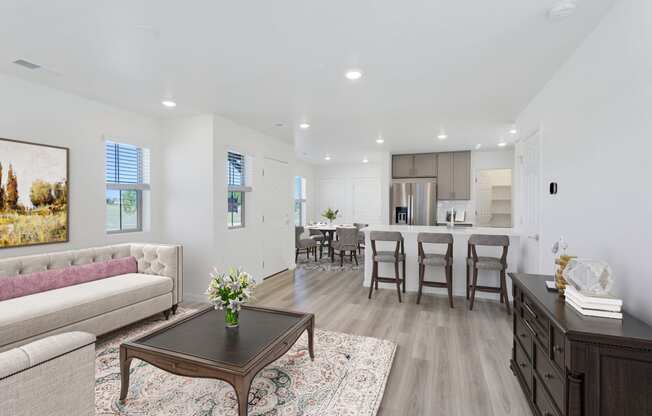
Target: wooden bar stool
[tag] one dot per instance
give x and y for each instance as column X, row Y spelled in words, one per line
column 475, row 263
column 397, row 256
column 432, row 259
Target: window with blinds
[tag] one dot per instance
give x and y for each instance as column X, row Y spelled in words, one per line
column 235, row 169
column 127, row 177
column 237, row 187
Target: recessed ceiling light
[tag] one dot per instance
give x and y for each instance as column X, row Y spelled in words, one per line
column 478, row 146
column 513, row 129
column 365, row 160
column 442, row 136
column 353, row 74
column 327, row 157
column 304, row 126
column 380, row 141
column 502, row 144
column 169, row 103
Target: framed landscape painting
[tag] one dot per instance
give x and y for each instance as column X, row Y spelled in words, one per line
column 33, row 194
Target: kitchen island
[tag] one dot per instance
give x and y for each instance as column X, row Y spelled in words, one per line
column 461, row 238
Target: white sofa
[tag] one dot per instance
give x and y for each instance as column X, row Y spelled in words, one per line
column 98, row 306
column 53, row 376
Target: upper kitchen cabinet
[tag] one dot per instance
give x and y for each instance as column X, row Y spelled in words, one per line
column 425, row 165
column 454, row 176
column 414, row 166
column 402, row 166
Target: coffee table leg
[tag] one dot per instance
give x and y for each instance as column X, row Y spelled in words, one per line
column 311, row 339
column 242, row 387
column 125, row 363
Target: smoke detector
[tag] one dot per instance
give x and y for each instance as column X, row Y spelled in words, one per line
column 562, row 9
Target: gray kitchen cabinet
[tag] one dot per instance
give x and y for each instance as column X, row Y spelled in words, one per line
column 445, row 176
column 414, row 166
column 454, row 176
column 462, row 175
column 402, row 166
column 425, row 165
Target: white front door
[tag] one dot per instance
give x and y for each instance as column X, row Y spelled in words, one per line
column 529, row 160
column 277, row 200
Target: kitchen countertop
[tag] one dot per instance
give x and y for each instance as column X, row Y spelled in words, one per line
column 413, row 229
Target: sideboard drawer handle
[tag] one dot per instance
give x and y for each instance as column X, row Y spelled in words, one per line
column 529, row 327
column 523, row 335
column 548, row 376
column 557, row 348
column 523, row 365
column 534, row 315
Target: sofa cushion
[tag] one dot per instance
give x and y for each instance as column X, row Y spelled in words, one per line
column 23, row 285
column 27, row 316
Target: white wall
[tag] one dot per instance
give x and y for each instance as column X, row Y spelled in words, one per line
column 189, row 186
column 355, row 189
column 196, row 149
column 39, row 114
column 596, row 129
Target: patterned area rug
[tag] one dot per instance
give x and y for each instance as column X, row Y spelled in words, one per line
column 325, row 264
column 348, row 377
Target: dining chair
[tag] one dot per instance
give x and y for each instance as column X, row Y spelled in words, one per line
column 361, row 237
column 320, row 238
column 307, row 244
column 436, row 259
column 347, row 241
column 397, row 257
column 475, row 263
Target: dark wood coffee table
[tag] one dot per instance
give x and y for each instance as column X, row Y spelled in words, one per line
column 201, row 346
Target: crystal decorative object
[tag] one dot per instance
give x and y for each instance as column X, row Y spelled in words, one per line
column 592, row 277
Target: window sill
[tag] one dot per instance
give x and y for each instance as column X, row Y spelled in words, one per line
column 123, row 232
column 238, row 227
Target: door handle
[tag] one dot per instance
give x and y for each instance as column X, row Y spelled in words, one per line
column 534, row 237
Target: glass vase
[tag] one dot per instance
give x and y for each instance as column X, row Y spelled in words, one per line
column 232, row 318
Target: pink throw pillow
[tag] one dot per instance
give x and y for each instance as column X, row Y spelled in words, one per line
column 28, row 284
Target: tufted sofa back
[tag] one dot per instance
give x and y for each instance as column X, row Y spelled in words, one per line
column 156, row 259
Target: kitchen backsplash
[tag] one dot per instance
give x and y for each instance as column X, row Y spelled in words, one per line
column 466, row 206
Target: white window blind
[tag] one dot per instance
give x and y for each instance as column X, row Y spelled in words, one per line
column 127, row 166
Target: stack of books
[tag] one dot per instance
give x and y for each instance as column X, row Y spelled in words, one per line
column 592, row 305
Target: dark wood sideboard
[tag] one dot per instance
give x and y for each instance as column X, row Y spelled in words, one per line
column 572, row 365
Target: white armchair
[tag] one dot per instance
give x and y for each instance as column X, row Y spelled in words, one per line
column 52, row 376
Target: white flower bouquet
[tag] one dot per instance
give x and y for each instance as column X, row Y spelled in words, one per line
column 230, row 291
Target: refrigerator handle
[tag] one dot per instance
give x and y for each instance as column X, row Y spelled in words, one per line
column 411, row 207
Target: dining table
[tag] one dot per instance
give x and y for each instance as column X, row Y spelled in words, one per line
column 328, row 230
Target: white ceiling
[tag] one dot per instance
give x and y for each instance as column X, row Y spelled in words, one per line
column 467, row 66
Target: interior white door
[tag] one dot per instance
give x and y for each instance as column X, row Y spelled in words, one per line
column 529, row 160
column 276, row 216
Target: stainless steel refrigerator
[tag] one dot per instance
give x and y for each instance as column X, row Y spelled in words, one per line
column 413, row 202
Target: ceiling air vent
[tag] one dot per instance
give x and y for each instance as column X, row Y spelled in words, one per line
column 27, row 64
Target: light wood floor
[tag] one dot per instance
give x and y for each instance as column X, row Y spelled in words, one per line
column 448, row 361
